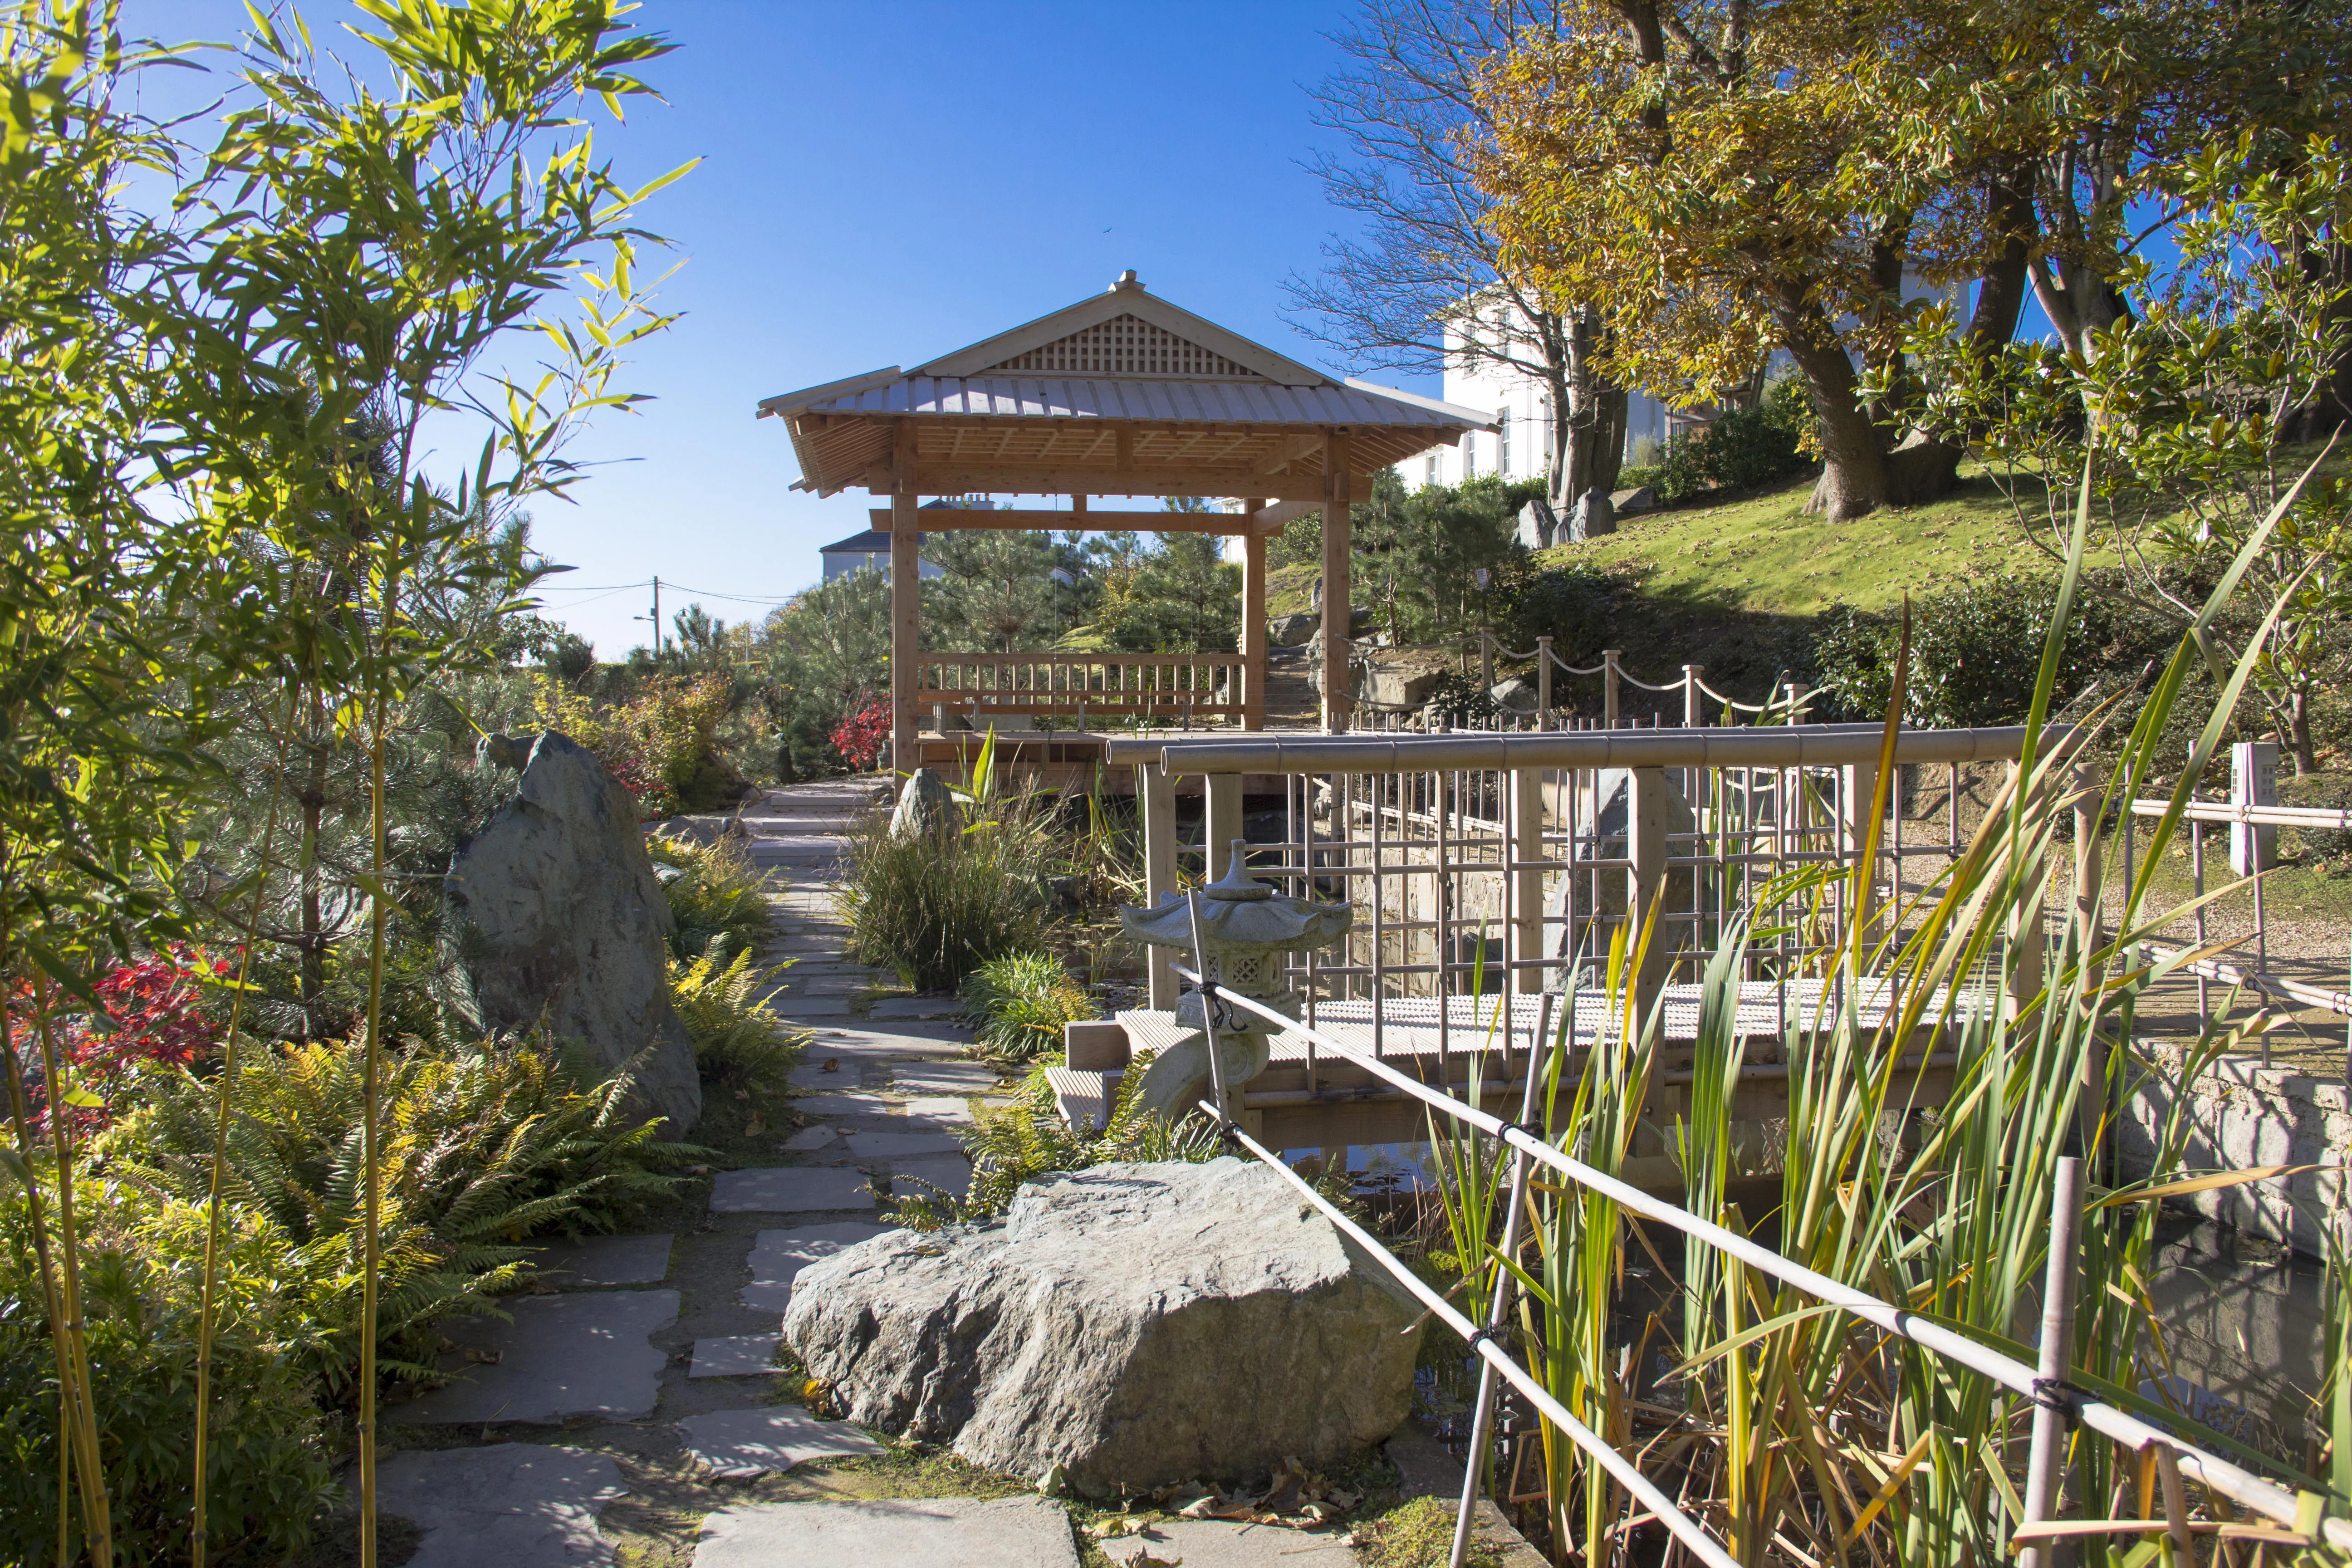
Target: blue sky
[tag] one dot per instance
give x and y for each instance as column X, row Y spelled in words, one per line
column 882, row 183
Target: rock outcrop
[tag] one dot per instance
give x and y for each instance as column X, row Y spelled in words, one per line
column 1136, row 1324
column 926, row 808
column 555, row 917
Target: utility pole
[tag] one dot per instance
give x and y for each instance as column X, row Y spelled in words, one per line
column 655, row 618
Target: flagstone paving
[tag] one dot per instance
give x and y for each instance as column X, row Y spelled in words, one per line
column 790, row 1189
column 1216, row 1544
column 740, row 1444
column 779, row 1256
column 582, row 1353
column 510, row 1505
column 735, row 1355
column 928, row 1532
column 604, row 1261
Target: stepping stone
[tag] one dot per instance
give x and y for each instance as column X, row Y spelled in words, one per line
column 945, row 1078
column 605, row 1260
column 917, row 1008
column 738, row 1445
column 584, row 1353
column 734, row 1355
column 848, row 1104
column 779, row 1256
column 790, row 1189
column 952, row 1174
column 794, row 1009
column 810, row 1138
column 1220, row 1543
column 898, row 1145
column 842, row 1075
column 946, row 1111
column 508, row 1505
column 904, row 1532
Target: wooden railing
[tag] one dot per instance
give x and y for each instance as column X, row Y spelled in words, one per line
column 1110, row 685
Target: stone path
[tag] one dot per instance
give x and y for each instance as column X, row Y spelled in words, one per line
column 660, row 1348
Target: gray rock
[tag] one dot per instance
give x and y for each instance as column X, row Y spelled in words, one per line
column 788, row 1189
column 738, row 1445
column 1538, row 527
column 1137, row 1324
column 1630, row 502
column 1292, row 630
column 555, row 915
column 583, row 1353
column 1517, row 694
column 508, row 1505
column 925, row 809
column 1593, row 515
column 889, row 1533
column 1394, row 687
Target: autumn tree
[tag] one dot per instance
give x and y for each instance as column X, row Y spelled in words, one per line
column 1424, row 286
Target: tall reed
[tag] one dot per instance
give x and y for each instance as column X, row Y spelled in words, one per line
column 1798, row 1436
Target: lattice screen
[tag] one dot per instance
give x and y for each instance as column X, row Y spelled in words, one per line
column 1125, row 345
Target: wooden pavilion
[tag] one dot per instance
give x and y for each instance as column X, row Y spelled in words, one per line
column 1120, row 395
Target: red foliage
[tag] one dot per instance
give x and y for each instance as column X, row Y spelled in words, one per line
column 152, row 1014
column 861, row 737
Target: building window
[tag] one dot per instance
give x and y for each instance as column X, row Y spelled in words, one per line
column 1502, row 443
column 1469, row 456
column 1431, row 477
column 1544, row 430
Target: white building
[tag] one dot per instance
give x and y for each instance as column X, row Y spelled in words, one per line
column 871, row 548
column 1519, row 447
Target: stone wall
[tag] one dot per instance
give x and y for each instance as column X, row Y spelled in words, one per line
column 2239, row 1114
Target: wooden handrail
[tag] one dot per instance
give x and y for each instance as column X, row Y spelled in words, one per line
column 1170, row 660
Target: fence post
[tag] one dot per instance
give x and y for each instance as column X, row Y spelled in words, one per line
column 1526, row 843
column 1693, row 710
column 1543, row 683
column 1225, row 823
column 2046, row 1463
column 1646, row 847
column 2254, row 781
column 2026, row 957
column 1609, row 687
column 1159, row 796
column 2091, row 1105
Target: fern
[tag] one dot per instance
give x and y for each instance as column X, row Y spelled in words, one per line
column 738, row 1038
column 484, row 1146
column 718, row 899
column 1028, row 1139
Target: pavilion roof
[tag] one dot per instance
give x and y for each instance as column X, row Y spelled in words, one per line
column 1122, row 394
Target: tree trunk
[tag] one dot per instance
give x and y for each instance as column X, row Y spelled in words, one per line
column 1853, row 481
column 2299, row 744
column 1589, row 429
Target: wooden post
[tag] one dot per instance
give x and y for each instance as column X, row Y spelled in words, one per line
column 1693, row 710
column 2025, row 939
column 1860, row 789
column 1339, row 662
column 1526, row 843
column 1543, row 683
column 1253, row 629
column 1157, row 794
column 1647, row 846
column 1609, row 657
column 2045, row 1464
column 2254, row 781
column 1223, row 824
column 906, row 599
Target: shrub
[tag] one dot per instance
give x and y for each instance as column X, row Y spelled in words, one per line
column 1028, row 1139
column 738, row 1038
column 1019, row 1004
column 861, row 737
column 1743, row 449
column 484, row 1145
column 657, row 741
column 718, row 899
column 934, row 909
column 1976, row 651
column 140, row 1269
column 154, row 1013
column 1571, row 602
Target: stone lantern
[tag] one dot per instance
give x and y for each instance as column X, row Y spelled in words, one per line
column 1246, row 928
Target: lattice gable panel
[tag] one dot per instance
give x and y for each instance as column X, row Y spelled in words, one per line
column 1124, row 346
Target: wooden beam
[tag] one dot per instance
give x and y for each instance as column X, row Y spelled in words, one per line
column 906, row 602
column 1288, row 452
column 988, row 478
column 1253, row 627
column 1339, row 699
column 939, row 520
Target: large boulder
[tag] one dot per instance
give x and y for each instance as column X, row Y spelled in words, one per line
column 555, row 917
column 926, row 808
column 1137, row 1324
column 1294, row 630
